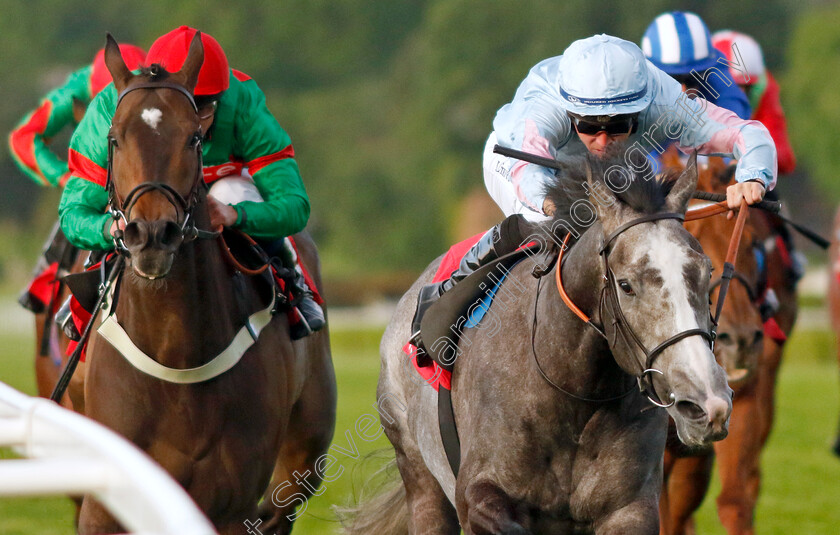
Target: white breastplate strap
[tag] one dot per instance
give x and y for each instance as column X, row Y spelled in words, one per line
column 112, row 331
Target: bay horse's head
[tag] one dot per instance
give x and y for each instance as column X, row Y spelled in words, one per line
column 155, row 173
column 740, row 332
column 655, row 294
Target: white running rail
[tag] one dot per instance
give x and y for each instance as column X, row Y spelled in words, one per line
column 66, row 453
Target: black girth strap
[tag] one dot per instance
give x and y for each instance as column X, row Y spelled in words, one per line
column 448, row 429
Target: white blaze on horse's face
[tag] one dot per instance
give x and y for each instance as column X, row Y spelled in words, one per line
column 152, row 117
column 670, row 275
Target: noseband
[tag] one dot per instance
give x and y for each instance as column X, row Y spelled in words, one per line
column 609, row 298
column 121, row 209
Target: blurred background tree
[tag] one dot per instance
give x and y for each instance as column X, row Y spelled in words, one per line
column 389, row 103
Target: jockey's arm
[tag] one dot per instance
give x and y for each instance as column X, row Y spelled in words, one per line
column 269, row 154
column 539, row 126
column 28, row 142
column 712, row 130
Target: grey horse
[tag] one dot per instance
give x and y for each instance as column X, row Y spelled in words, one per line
column 555, row 435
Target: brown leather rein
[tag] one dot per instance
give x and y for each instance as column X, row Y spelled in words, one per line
column 609, row 292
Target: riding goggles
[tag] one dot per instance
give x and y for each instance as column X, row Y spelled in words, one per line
column 613, row 125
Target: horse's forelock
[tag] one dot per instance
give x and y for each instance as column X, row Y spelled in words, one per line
column 155, row 72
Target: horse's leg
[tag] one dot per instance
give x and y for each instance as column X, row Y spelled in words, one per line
column 488, row 510
column 46, row 374
column 664, row 498
column 636, row 518
column 308, row 436
column 766, row 388
column 738, row 462
column 686, row 487
column 95, row 519
column 429, row 510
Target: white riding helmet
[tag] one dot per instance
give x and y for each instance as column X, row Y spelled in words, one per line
column 749, row 52
column 603, row 75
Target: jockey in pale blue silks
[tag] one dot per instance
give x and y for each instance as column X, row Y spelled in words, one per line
column 601, row 91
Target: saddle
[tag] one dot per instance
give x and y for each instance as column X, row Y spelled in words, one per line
column 442, row 329
column 442, row 326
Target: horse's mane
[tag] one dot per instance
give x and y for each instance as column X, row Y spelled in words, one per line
column 645, row 194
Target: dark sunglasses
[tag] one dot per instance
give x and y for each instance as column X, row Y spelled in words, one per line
column 615, row 126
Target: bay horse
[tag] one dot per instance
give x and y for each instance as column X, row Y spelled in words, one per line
column 739, row 348
column 556, row 436
column 273, row 412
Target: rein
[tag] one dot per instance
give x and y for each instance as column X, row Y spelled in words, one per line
column 609, row 296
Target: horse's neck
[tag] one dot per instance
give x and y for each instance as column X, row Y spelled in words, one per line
column 182, row 320
column 581, row 357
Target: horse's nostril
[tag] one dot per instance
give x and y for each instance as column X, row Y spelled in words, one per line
column 690, row 410
column 135, row 234
column 171, row 234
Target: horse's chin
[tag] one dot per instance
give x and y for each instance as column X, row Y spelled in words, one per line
column 694, row 434
column 152, row 265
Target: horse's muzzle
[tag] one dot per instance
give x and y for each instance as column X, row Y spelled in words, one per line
column 152, row 245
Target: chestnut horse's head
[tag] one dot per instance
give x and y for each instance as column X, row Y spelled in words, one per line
column 155, row 173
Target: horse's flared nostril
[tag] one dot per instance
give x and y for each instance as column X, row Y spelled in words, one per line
column 136, row 234
column 690, row 410
column 169, row 235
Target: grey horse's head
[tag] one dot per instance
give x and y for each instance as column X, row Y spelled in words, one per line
column 657, row 280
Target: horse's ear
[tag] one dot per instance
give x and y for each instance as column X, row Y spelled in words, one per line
column 192, row 65
column 684, row 187
column 116, row 65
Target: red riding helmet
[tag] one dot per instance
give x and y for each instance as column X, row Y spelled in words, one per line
column 99, row 75
column 170, row 50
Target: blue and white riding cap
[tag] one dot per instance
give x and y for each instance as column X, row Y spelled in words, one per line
column 678, row 42
column 603, row 75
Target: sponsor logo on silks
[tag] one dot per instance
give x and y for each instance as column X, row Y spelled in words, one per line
column 215, row 172
column 601, row 101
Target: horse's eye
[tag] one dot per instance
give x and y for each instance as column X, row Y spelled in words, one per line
column 625, row 287
column 113, row 141
column 195, row 139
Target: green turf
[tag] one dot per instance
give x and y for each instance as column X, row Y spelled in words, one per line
column 800, row 493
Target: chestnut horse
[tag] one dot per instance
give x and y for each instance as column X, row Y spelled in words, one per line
column 751, row 360
column 222, row 438
column 834, row 294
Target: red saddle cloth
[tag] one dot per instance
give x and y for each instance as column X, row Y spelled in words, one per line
column 81, row 317
column 44, row 287
column 429, row 370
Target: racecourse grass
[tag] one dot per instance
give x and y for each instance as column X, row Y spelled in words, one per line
column 800, row 492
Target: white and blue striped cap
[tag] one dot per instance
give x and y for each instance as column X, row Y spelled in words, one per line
column 603, row 75
column 678, row 42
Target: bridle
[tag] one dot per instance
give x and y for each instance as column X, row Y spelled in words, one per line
column 184, row 205
column 609, row 298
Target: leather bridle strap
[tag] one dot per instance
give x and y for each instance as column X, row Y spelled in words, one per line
column 159, row 85
column 638, row 221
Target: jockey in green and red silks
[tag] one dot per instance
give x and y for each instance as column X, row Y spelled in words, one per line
column 28, row 142
column 243, row 144
column 29, row 146
column 244, row 136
